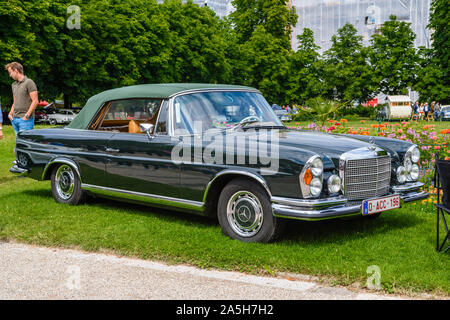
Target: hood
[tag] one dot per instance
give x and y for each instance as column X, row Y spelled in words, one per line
column 328, row 146
column 299, row 146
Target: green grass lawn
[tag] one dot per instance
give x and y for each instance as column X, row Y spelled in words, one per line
column 400, row 242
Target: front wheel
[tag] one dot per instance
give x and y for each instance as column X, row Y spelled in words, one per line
column 66, row 185
column 245, row 213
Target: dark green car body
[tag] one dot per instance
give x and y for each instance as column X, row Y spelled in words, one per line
column 140, row 167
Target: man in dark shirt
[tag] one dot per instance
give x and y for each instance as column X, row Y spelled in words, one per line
column 25, row 98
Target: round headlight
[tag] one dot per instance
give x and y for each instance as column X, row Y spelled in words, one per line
column 317, row 167
column 401, row 174
column 408, row 165
column 315, row 187
column 415, row 172
column 415, row 155
column 334, row 184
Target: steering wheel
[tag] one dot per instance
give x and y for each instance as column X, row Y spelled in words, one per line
column 250, row 118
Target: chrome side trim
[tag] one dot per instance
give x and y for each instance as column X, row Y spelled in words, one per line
column 140, row 197
column 67, row 161
column 237, row 172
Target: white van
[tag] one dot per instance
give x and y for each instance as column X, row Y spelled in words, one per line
column 399, row 107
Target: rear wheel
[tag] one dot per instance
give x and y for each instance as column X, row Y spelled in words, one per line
column 66, row 185
column 245, row 212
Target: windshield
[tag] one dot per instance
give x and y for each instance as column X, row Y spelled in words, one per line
column 198, row 112
column 446, row 109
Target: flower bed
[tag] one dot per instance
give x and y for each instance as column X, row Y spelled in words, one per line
column 427, row 137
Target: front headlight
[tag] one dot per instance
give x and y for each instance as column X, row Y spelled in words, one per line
column 317, row 167
column 315, row 187
column 415, row 154
column 415, row 172
column 334, row 184
column 412, row 158
column 311, row 178
column 401, row 174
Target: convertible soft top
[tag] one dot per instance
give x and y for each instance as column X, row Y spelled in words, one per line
column 163, row 90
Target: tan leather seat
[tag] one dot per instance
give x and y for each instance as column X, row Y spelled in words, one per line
column 133, row 127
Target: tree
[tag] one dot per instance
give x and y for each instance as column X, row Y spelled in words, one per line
column 429, row 82
column 197, row 44
column 17, row 43
column 262, row 30
column 305, row 71
column 348, row 76
column 276, row 18
column 439, row 18
column 268, row 67
column 393, row 56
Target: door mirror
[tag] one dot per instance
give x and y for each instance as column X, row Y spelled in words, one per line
column 147, row 128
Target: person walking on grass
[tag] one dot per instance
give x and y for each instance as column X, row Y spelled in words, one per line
column 25, row 98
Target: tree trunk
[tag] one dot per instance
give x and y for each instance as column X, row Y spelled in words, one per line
column 67, row 102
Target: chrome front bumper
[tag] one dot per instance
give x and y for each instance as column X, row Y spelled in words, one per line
column 337, row 207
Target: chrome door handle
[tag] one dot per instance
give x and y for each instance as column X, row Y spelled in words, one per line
column 111, row 150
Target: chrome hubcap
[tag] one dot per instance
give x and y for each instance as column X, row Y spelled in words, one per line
column 245, row 213
column 64, row 182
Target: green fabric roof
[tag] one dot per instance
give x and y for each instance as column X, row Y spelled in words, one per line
column 165, row 90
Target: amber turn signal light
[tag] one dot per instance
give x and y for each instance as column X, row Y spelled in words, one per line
column 308, row 176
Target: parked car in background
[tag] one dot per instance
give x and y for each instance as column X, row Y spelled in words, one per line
column 444, row 113
column 41, row 114
column 218, row 151
column 61, row 116
column 281, row 113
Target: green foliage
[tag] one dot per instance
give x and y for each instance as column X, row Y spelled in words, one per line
column 305, row 70
column 359, row 111
column 440, row 34
column 439, row 24
column 17, row 43
column 348, row 76
column 322, row 109
column 197, row 45
column 129, row 42
column 430, row 82
column 394, row 57
column 266, row 64
column 273, row 15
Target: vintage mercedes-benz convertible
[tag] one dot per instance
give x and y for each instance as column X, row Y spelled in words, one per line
column 218, row 150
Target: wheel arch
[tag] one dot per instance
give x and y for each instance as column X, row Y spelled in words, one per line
column 46, row 174
column 216, row 185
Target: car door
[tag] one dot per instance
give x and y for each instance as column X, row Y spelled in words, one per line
column 141, row 163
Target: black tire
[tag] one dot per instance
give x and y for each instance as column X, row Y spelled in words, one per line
column 53, row 121
column 66, row 185
column 245, row 212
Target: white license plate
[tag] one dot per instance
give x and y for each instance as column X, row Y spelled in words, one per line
column 380, row 204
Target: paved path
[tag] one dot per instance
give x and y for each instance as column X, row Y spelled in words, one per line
column 31, row 272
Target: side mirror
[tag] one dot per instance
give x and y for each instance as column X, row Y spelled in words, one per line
column 147, row 128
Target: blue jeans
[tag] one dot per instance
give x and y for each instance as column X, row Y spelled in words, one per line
column 19, row 124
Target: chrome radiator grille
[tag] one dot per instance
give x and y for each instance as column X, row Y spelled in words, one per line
column 367, row 178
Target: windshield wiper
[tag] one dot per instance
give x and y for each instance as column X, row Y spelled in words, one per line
column 243, row 124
